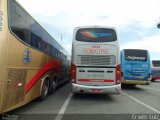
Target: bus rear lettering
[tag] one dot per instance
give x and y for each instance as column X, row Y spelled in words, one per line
column 95, row 51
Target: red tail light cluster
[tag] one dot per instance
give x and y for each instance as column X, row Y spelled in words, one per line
column 73, row 73
column 118, row 74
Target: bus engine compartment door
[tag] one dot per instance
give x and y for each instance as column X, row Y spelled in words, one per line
column 96, row 76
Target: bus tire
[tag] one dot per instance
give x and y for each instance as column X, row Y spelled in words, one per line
column 148, row 83
column 44, row 89
column 53, row 85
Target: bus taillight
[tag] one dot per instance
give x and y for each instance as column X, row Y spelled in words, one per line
column 73, row 73
column 118, row 74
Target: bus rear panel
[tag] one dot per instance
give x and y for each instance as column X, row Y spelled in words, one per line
column 95, row 61
column 135, row 65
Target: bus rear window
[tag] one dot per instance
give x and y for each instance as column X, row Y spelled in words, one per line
column 136, row 55
column 96, row 35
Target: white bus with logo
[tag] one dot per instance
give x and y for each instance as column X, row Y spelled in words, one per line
column 95, row 60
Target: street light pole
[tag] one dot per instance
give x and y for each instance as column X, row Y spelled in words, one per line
column 61, row 37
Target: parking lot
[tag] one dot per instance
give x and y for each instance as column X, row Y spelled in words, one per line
column 139, row 102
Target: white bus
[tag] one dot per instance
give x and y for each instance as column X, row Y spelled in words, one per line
column 95, row 60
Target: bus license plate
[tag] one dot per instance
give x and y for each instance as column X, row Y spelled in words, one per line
column 96, row 91
column 96, row 75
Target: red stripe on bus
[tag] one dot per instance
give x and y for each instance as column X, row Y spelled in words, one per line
column 50, row 65
column 95, row 80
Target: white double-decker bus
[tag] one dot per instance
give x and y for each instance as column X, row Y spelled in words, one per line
column 95, row 60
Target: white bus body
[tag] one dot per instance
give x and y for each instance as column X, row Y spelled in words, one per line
column 95, row 60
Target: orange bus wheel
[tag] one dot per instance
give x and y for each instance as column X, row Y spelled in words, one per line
column 45, row 90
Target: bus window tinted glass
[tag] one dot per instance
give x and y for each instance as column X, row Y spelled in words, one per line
column 156, row 63
column 19, row 21
column 96, row 35
column 136, row 55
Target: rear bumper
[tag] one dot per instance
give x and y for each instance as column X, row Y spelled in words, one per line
column 115, row 89
column 136, row 82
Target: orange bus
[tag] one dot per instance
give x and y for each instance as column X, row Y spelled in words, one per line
column 32, row 63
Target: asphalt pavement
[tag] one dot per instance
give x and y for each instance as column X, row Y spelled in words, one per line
column 141, row 102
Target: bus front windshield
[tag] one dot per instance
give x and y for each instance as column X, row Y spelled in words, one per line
column 96, row 35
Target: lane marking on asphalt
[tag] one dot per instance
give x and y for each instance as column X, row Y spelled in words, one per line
column 155, row 110
column 151, row 88
column 64, row 107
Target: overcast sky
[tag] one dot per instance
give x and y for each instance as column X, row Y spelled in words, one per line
column 135, row 20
